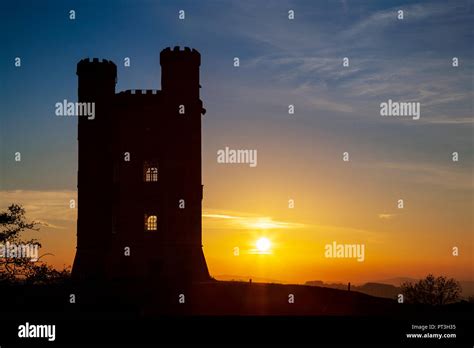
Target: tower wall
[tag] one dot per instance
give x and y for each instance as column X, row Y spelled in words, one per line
column 180, row 73
column 96, row 84
column 113, row 197
column 180, row 87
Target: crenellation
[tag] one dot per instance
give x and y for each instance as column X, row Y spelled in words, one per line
column 142, row 92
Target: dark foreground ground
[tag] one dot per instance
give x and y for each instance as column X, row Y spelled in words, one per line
column 213, row 298
column 233, row 310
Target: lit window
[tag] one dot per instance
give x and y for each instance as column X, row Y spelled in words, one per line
column 151, row 223
column 151, row 172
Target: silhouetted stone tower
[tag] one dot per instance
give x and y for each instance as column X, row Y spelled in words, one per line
column 139, row 178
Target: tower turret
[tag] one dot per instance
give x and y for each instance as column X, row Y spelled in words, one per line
column 96, row 84
column 97, row 79
column 180, row 72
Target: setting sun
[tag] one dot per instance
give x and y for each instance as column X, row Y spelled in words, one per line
column 263, row 245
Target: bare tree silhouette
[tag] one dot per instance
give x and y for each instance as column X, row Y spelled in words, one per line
column 12, row 224
column 432, row 290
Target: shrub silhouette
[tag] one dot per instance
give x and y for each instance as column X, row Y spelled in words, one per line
column 432, row 291
column 13, row 269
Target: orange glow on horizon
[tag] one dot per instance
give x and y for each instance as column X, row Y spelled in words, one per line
column 284, row 245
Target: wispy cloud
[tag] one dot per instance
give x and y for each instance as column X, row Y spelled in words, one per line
column 313, row 70
column 449, row 121
column 250, row 221
column 386, row 216
column 48, row 208
column 426, row 173
column 47, row 224
column 378, row 21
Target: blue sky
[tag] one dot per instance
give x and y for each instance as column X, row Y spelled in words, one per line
column 282, row 62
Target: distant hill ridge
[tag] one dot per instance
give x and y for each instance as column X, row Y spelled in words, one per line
column 386, row 289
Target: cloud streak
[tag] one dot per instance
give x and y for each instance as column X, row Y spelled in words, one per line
column 48, row 208
column 250, row 221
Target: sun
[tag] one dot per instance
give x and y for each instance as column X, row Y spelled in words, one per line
column 263, row 245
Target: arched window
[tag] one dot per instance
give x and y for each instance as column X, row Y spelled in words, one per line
column 151, row 223
column 151, row 171
column 151, row 174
